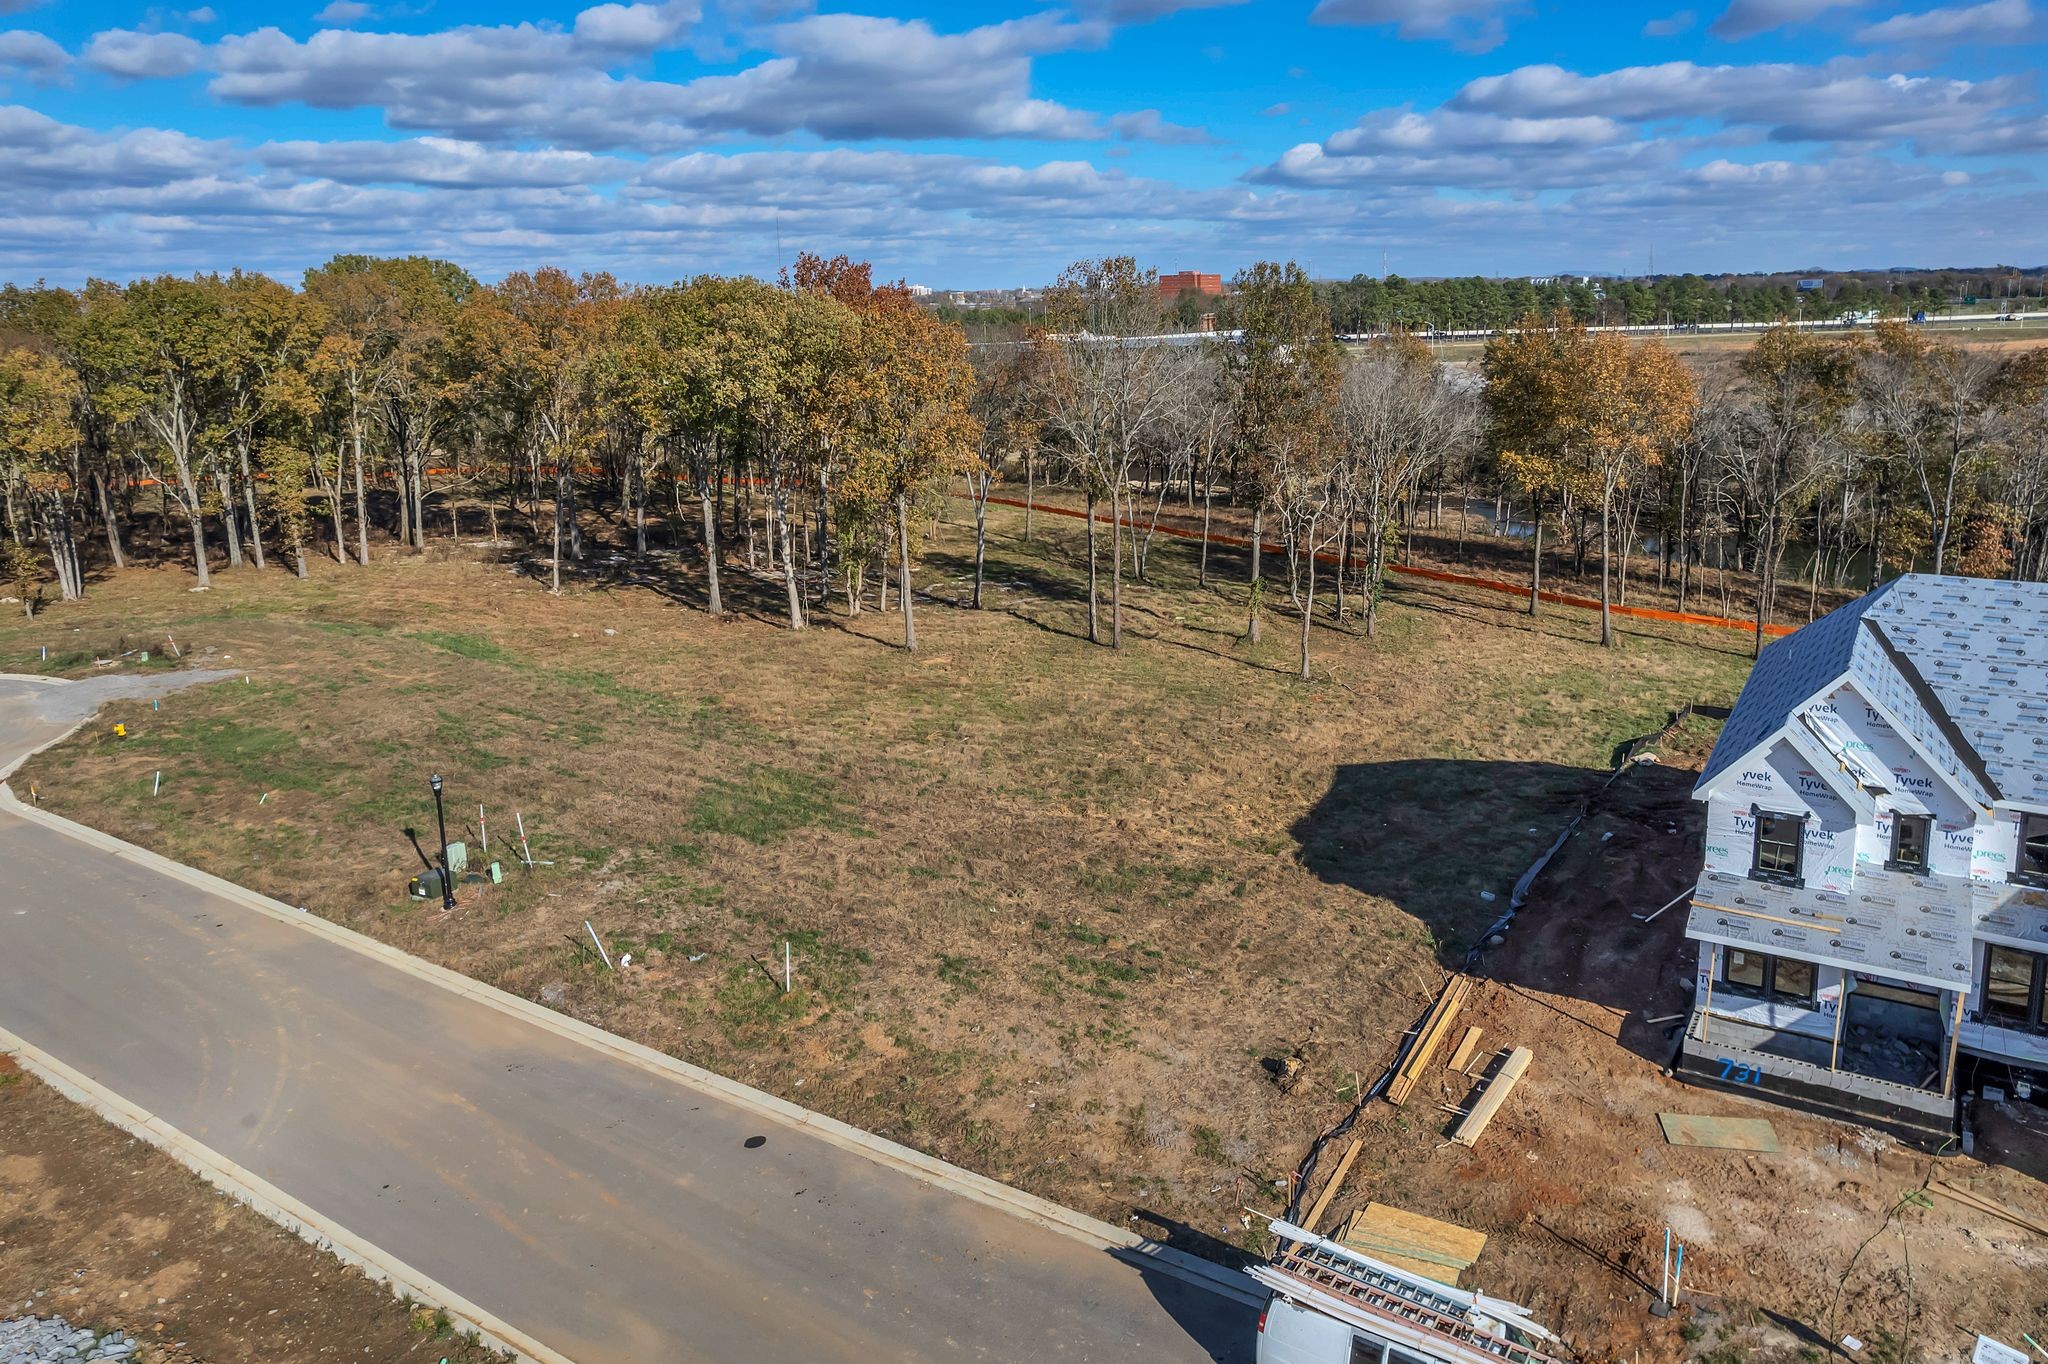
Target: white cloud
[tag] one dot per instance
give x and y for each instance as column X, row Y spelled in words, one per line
column 636, row 27
column 344, row 12
column 1747, row 18
column 32, row 55
column 1147, row 125
column 18, row 6
column 839, row 76
column 1671, row 25
column 1995, row 21
column 203, row 15
column 143, row 56
column 442, row 162
column 1471, row 25
column 37, row 150
column 855, row 77
column 1790, row 103
column 1399, row 148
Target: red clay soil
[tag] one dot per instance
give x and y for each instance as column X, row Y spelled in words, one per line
column 1574, row 1182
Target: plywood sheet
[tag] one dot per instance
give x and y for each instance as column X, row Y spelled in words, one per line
column 1410, row 1241
column 1728, row 1134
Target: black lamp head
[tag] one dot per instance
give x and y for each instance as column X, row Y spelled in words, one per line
column 435, row 782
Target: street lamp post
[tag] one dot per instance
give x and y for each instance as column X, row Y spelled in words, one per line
column 441, row 819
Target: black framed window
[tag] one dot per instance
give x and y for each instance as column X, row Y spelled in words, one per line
column 2013, row 984
column 2033, row 867
column 1745, row 970
column 1768, row 977
column 1912, row 836
column 1779, row 842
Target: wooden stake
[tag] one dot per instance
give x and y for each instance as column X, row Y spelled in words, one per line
column 1707, row 1009
column 1955, row 1037
column 1841, row 1007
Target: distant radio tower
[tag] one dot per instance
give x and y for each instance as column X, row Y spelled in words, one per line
column 1383, row 263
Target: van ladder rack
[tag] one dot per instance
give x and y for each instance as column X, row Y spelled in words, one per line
column 1394, row 1296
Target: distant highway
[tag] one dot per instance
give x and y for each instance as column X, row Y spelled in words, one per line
column 1953, row 322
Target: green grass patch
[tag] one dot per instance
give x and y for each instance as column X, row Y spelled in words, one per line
column 766, row 804
column 468, row 646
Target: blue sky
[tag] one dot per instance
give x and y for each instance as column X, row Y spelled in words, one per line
column 981, row 145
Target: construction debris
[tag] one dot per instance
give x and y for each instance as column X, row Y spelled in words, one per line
column 1970, row 1199
column 1434, row 1025
column 1466, row 1046
column 1496, row 1093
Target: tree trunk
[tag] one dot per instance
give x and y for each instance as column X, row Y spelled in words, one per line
column 1116, row 569
column 982, row 481
column 114, row 550
column 708, row 506
column 198, row 519
column 1308, row 610
column 1251, row 629
column 789, row 583
column 1536, row 558
column 1202, row 570
column 1030, row 489
column 362, row 510
column 228, row 518
column 903, row 571
column 1094, row 626
column 1606, row 560
column 249, row 500
column 401, row 483
column 555, row 569
column 418, row 464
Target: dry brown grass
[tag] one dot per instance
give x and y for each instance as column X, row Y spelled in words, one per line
column 1051, row 904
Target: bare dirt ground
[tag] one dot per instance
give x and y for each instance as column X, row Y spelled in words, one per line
column 106, row 1231
column 1051, row 906
column 1575, row 1184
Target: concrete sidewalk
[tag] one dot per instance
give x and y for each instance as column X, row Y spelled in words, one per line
column 594, row 1200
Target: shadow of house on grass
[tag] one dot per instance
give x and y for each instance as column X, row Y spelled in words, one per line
column 1434, row 837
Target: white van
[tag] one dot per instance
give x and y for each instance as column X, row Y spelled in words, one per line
column 1335, row 1305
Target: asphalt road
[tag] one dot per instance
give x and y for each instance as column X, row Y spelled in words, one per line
column 610, row 1212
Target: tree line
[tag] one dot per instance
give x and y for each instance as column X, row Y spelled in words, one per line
column 817, row 423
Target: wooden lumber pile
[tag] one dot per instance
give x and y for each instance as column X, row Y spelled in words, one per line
column 1473, row 1125
column 1428, row 1037
column 1421, row 1245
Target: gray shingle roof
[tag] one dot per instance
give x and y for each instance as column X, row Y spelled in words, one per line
column 1787, row 674
column 1981, row 648
column 1961, row 662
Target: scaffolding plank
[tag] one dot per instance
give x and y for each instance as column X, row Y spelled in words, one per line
column 1335, row 1182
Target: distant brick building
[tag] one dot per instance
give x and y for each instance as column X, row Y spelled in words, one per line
column 1174, row 285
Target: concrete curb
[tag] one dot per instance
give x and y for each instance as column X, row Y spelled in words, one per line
column 1123, row 1244
column 275, row 1204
